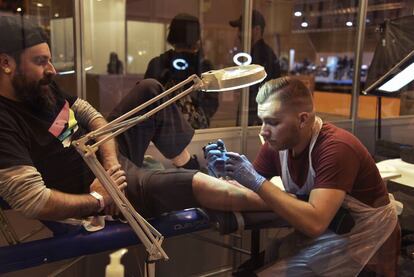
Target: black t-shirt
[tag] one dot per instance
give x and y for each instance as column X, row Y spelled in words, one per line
column 34, row 138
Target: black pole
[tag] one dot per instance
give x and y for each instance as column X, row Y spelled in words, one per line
column 379, row 118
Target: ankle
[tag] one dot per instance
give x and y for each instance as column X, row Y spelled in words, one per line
column 192, row 163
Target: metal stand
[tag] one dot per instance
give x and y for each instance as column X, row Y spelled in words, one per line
column 379, row 118
column 89, row 144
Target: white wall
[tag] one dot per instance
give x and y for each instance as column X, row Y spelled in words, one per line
column 145, row 41
column 62, row 47
column 104, row 32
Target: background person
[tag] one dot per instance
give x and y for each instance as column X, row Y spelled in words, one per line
column 177, row 64
column 262, row 54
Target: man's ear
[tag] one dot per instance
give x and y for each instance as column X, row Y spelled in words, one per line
column 303, row 119
column 6, row 63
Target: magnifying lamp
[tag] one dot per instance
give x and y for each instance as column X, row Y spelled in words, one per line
column 216, row 80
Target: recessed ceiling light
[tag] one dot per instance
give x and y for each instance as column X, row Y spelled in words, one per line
column 298, row 13
column 304, row 24
column 40, row 5
column 349, row 23
column 18, row 9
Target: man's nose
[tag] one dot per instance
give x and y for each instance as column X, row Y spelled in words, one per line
column 264, row 132
column 50, row 69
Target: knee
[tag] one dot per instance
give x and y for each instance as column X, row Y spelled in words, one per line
column 149, row 88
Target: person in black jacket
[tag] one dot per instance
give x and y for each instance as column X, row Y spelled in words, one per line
column 177, row 64
column 263, row 55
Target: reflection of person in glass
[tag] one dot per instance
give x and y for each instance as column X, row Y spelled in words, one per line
column 184, row 60
column 115, row 65
column 261, row 54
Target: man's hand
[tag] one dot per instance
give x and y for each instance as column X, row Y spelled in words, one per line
column 214, row 153
column 240, row 169
column 119, row 177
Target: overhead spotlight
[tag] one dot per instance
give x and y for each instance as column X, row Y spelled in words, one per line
column 297, row 13
column 349, row 23
column 56, row 14
column 19, row 10
column 304, row 24
column 40, row 5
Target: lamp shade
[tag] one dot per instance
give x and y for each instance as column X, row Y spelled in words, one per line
column 231, row 78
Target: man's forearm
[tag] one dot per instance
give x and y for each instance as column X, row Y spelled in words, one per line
column 107, row 151
column 63, row 205
column 217, row 194
column 313, row 217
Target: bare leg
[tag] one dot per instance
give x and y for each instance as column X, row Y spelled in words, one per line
column 182, row 158
column 218, row 194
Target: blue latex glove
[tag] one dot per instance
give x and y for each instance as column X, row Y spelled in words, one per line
column 214, row 153
column 240, row 169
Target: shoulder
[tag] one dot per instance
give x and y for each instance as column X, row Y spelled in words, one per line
column 156, row 65
column 335, row 141
column 9, row 113
column 266, row 48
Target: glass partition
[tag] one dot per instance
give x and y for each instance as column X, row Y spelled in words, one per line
column 388, row 38
column 57, row 18
column 320, row 51
column 150, row 39
column 125, row 41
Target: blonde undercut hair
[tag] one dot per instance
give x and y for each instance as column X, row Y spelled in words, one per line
column 289, row 91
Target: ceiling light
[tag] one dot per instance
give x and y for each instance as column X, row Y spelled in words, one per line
column 18, row 9
column 40, row 5
column 349, row 23
column 298, row 13
column 304, row 24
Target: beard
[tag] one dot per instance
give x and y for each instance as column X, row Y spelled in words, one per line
column 37, row 94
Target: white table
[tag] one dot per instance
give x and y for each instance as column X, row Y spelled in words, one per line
column 397, row 170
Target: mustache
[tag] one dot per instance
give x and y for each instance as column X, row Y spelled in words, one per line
column 46, row 80
column 37, row 94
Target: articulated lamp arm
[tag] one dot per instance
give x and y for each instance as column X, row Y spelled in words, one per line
column 230, row 78
column 89, row 144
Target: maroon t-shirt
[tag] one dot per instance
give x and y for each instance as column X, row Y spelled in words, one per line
column 340, row 162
